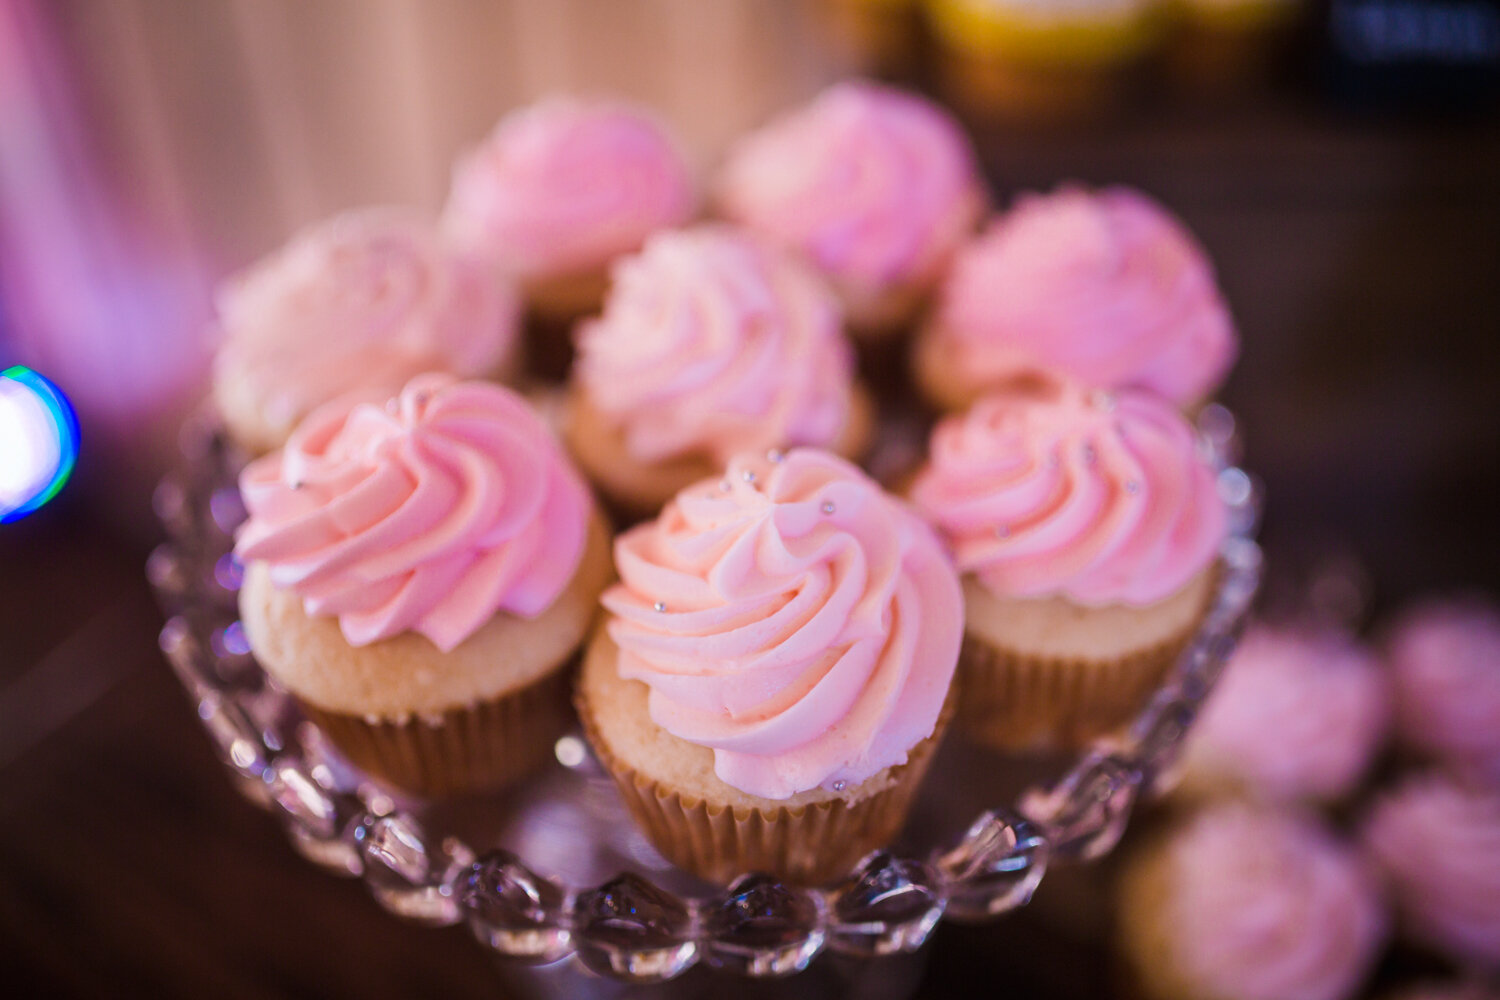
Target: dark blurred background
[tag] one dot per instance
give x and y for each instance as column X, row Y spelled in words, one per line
column 1346, row 181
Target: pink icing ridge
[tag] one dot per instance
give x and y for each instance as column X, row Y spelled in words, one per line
column 713, row 343
column 1106, row 287
column 1298, row 715
column 1269, row 906
column 432, row 514
column 1445, row 659
column 366, row 299
column 794, row 618
column 567, row 185
column 876, row 185
column 1100, row 497
column 1439, row 845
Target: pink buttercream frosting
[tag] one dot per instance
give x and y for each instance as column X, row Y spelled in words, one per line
column 565, row 186
column 712, row 343
column 1298, row 715
column 1267, row 905
column 794, row 618
column 1100, row 497
column 1106, row 287
column 431, row 514
column 1438, row 843
column 1445, row 660
column 876, row 185
column 367, row 299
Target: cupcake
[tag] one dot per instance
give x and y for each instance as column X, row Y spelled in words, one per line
column 1445, row 665
column 1235, row 904
column 1104, row 287
column 774, row 673
column 876, row 186
column 712, row 343
column 420, row 576
column 562, row 188
column 1042, row 59
column 877, row 36
column 1438, row 844
column 1223, row 45
column 1086, row 525
column 1297, row 717
column 361, row 302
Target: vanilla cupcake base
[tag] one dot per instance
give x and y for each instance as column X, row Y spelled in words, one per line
column 430, row 722
column 1044, row 673
column 714, row 830
column 563, row 298
column 640, row 490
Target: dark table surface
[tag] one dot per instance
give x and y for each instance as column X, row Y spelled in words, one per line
column 1362, row 258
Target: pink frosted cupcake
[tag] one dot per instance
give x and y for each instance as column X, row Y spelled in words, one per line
column 1236, row 904
column 876, row 186
column 712, row 342
column 1445, row 659
column 772, row 680
column 361, row 302
column 563, row 187
column 419, row 576
column 1087, row 527
column 1438, row 844
column 1298, row 716
column 1103, row 287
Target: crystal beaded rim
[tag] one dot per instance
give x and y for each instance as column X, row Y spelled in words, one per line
column 629, row 928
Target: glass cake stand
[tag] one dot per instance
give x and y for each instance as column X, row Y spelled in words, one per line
column 554, row 874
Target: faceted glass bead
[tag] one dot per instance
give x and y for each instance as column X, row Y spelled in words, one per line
column 1157, row 737
column 321, row 822
column 890, row 905
column 235, row 734
column 515, row 911
column 763, row 928
column 1085, row 813
column 630, row 929
column 186, row 657
column 408, row 877
column 995, row 868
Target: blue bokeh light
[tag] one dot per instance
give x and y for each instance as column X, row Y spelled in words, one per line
column 38, row 441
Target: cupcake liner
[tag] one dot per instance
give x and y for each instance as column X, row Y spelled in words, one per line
column 807, row 844
column 1015, row 701
column 468, row 749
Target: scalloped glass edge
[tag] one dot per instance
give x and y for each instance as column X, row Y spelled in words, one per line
column 629, row 928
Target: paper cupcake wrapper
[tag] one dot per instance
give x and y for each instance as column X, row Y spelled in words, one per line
column 808, row 844
column 1014, row 701
column 468, row 749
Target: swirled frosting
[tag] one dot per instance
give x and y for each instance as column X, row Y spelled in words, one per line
column 1269, row 906
column 875, row 185
column 1100, row 497
column 1107, row 288
column 367, row 299
column 794, row 618
column 1298, row 715
column 712, row 343
column 1445, row 660
column 431, row 514
column 1438, row 844
column 565, row 186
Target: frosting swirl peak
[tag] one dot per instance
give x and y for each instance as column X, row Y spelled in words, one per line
column 713, row 343
column 1100, row 497
column 794, row 618
column 432, row 514
column 1107, row 288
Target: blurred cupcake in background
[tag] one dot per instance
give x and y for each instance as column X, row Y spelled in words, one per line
column 1037, row 60
column 712, row 342
column 1107, row 288
column 1224, row 45
column 359, row 303
column 875, row 186
column 1437, row 842
column 1248, row 903
column 1445, row 664
column 560, row 189
column 1297, row 717
column 876, row 36
column 1086, row 526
